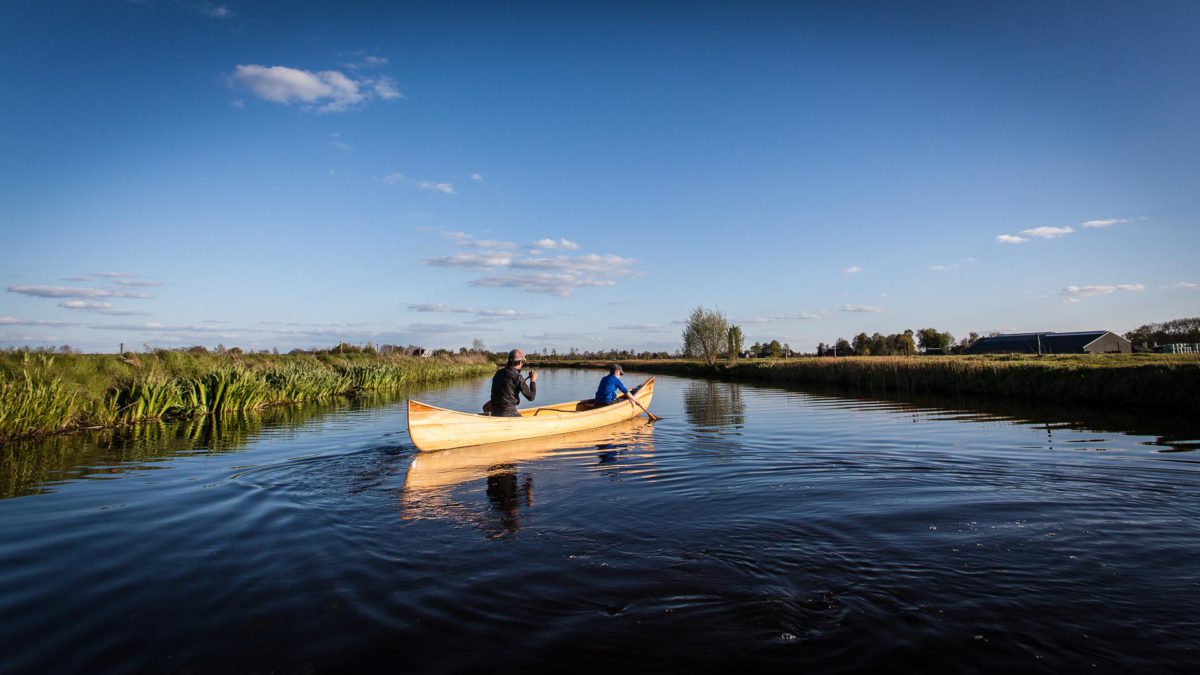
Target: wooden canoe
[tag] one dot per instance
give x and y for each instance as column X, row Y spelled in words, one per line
column 454, row 466
column 433, row 428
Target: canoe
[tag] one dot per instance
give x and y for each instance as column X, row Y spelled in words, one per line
column 432, row 428
column 455, row 466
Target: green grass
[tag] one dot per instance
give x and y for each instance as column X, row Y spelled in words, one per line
column 43, row 394
column 1169, row 381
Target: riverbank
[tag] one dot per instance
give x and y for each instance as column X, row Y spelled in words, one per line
column 1165, row 381
column 44, row 394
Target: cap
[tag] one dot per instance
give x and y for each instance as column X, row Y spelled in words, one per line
column 516, row 355
column 615, row 368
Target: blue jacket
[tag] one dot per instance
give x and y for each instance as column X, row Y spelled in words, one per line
column 607, row 391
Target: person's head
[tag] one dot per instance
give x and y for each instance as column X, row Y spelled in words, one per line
column 516, row 358
column 615, row 369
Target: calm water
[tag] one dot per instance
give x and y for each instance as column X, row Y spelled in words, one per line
column 751, row 527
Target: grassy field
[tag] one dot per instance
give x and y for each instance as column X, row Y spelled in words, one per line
column 43, row 394
column 1166, row 381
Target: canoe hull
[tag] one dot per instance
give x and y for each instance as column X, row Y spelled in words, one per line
column 432, row 428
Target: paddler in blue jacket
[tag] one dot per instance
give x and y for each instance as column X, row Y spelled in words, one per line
column 606, row 393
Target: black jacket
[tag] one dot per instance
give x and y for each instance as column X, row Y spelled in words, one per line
column 507, row 387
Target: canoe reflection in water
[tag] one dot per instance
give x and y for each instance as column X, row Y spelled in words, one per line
column 446, row 483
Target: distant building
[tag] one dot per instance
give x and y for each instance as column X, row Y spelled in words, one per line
column 1083, row 342
column 421, row 351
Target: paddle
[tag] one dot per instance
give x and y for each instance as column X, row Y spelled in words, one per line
column 649, row 415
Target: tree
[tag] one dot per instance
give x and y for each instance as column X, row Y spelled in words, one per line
column 841, row 347
column 861, row 345
column 933, row 339
column 478, row 346
column 734, row 343
column 704, row 334
column 1167, row 332
column 905, row 344
column 774, row 349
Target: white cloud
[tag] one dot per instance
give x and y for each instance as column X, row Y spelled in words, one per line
column 476, row 311
column 68, row 292
column 1011, row 239
column 560, row 243
column 139, row 283
column 471, row 260
column 336, row 140
column 853, row 269
column 1076, row 293
column 385, row 88
column 477, row 177
column 393, row 179
column 12, row 321
column 647, row 327
column 99, row 308
column 323, row 91
column 1106, row 222
column 1187, row 284
column 469, row 241
column 943, row 268
column 445, row 188
column 215, row 11
column 1048, row 232
column 238, row 103
column 608, row 264
column 560, row 285
column 860, row 308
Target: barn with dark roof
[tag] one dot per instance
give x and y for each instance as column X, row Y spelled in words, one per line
column 1083, row 342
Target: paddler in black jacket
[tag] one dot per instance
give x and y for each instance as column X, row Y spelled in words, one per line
column 508, row 385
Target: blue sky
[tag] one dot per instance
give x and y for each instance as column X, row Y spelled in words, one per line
column 295, row 174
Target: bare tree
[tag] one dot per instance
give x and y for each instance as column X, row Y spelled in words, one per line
column 704, row 334
column 478, row 346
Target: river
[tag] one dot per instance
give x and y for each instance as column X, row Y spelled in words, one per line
column 757, row 528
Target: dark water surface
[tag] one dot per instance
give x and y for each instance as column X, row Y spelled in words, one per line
column 753, row 528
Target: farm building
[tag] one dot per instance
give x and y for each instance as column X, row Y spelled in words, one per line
column 1084, row 342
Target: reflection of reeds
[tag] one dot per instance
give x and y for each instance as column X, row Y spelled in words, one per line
column 35, row 465
column 44, row 394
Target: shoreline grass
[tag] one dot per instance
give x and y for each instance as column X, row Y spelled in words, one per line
column 1165, row 381
column 43, row 394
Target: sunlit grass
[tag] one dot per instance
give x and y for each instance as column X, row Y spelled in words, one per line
column 1164, row 380
column 45, row 394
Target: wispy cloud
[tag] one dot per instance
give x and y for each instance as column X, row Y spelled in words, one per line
column 530, row 271
column 471, row 260
column 943, row 268
column 70, row 292
column 645, row 327
column 860, row 308
column 13, row 321
column 1106, row 222
column 1011, row 239
column 1077, row 293
column 559, row 243
column 215, row 11
column 853, row 269
column 1048, row 232
column 475, row 311
column 547, row 283
column 477, row 177
column 138, row 283
column 444, row 188
column 336, row 140
column 323, row 91
column 392, row 179
column 94, row 307
column 1187, row 284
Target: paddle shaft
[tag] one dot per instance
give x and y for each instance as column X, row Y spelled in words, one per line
column 649, row 415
